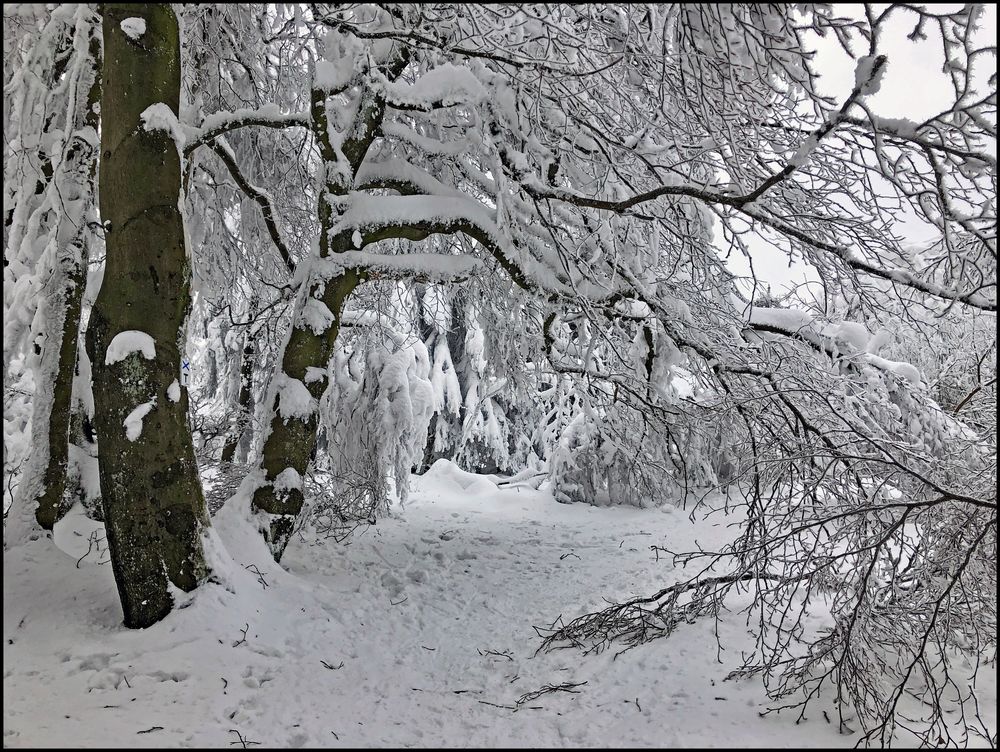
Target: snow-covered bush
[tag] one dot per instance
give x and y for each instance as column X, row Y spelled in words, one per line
column 485, row 393
column 375, row 416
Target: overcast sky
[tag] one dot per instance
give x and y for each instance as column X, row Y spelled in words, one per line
column 914, row 87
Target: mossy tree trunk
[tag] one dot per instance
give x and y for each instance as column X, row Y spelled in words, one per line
column 59, row 214
column 152, row 499
column 290, row 438
column 73, row 241
column 244, row 407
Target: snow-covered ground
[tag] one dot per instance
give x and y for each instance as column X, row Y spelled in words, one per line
column 417, row 633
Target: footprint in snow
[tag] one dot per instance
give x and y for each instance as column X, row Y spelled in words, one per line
column 417, row 575
column 393, row 584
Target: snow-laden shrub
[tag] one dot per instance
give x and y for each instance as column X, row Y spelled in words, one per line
column 607, row 452
column 629, row 427
column 375, row 417
column 485, row 403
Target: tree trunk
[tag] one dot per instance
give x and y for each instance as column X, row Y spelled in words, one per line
column 82, row 160
column 291, row 436
column 244, row 407
column 153, row 504
column 41, row 492
column 291, row 439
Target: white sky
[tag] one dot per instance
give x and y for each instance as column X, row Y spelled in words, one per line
column 914, row 87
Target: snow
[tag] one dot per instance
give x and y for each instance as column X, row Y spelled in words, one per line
column 902, row 127
column 268, row 113
column 879, row 340
column 373, row 173
column 787, row 319
column 334, row 76
column 444, row 86
column 130, row 341
column 851, row 333
column 904, row 370
column 134, row 28
column 294, row 399
column 401, row 638
column 133, row 421
column 316, row 315
column 869, row 73
column 802, row 155
column 159, row 117
column 174, row 391
column 287, row 479
column 366, row 211
column 314, row 374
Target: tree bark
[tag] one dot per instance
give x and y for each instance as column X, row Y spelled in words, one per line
column 81, row 159
column 244, row 407
column 68, row 194
column 290, row 440
column 153, row 504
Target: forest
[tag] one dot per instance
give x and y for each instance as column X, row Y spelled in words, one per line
column 542, row 374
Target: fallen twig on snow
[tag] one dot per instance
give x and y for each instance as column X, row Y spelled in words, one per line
column 536, row 693
column 245, row 742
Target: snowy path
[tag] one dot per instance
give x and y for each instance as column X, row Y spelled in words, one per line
column 401, row 638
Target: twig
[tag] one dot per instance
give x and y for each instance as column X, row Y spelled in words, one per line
column 92, row 541
column 570, row 554
column 150, row 730
column 244, row 742
column 332, row 668
column 260, row 575
column 244, row 639
column 536, row 693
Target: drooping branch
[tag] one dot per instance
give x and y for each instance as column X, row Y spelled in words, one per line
column 220, row 123
column 261, row 197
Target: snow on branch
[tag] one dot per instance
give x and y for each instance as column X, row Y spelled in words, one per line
column 268, row 116
column 416, row 217
column 431, row 267
column 444, row 86
column 159, row 117
column 398, row 174
column 379, row 211
column 842, row 339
